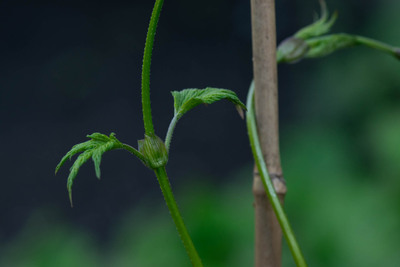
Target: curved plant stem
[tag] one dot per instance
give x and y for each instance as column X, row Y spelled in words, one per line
column 269, row 187
column 395, row 51
column 176, row 216
column 148, row 48
column 170, row 131
column 149, row 131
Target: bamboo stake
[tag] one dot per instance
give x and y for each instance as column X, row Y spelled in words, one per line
column 268, row 234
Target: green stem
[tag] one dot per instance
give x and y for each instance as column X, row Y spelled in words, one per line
column 133, row 151
column 395, row 51
column 176, row 216
column 268, row 185
column 170, row 131
column 148, row 48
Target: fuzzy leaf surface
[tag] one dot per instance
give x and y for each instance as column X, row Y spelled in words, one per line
column 94, row 148
column 188, row 99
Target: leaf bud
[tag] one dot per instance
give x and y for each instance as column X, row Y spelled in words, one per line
column 291, row 50
column 154, row 151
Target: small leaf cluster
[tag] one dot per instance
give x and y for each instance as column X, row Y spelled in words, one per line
column 152, row 151
column 296, row 47
column 310, row 41
column 94, row 149
column 320, row 26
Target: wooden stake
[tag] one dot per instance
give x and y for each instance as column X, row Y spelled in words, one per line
column 268, row 234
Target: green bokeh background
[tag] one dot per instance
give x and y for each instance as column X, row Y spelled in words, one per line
column 341, row 160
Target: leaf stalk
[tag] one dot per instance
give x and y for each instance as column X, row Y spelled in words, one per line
column 170, row 131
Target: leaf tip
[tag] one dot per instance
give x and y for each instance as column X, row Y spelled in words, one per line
column 97, row 172
column 240, row 111
column 70, row 197
column 324, row 9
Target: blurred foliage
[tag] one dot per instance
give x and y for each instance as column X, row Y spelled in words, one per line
column 343, row 214
column 219, row 219
column 47, row 242
column 341, row 160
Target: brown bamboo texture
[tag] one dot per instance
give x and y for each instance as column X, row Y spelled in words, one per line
column 268, row 234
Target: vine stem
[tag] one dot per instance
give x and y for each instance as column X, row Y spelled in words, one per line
column 268, row 185
column 148, row 48
column 149, row 131
column 176, row 216
column 395, row 51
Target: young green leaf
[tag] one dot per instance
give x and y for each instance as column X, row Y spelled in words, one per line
column 327, row 44
column 94, row 149
column 319, row 27
column 296, row 47
column 309, row 42
column 188, row 99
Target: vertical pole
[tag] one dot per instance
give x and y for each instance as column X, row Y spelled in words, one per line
column 268, row 234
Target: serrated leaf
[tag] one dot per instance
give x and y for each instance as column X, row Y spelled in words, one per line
column 73, row 171
column 74, row 150
column 94, row 148
column 188, row 99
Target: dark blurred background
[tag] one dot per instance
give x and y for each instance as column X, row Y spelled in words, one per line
column 70, row 69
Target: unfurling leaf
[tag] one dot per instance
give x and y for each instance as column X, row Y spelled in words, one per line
column 319, row 27
column 325, row 45
column 94, row 149
column 310, row 41
column 188, row 99
column 296, row 47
